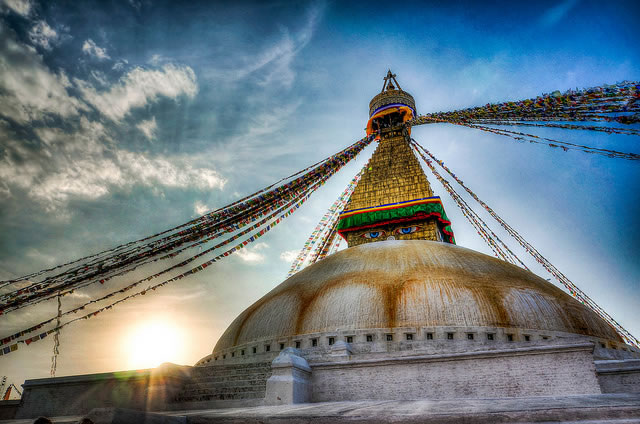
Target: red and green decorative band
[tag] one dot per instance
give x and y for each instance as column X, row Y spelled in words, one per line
column 358, row 219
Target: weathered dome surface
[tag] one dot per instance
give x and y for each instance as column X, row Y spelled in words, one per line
column 412, row 283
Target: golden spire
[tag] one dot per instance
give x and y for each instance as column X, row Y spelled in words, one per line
column 393, row 199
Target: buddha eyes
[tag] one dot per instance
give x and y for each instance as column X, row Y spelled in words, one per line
column 407, row 230
column 373, row 234
column 401, row 230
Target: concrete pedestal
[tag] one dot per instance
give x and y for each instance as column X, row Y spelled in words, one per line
column 290, row 381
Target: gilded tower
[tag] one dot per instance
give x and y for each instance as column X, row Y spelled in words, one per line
column 393, row 199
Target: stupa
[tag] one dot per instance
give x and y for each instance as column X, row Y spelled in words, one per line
column 403, row 303
column 402, row 315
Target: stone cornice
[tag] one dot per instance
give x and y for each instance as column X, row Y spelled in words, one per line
column 418, row 359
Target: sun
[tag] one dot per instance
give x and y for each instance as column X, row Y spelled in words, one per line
column 153, row 342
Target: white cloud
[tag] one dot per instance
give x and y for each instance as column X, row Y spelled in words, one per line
column 282, row 71
column 168, row 172
column 99, row 77
column 43, row 35
column 78, row 295
column 136, row 4
column 289, row 255
column 119, row 65
column 140, row 87
column 200, row 208
column 86, row 164
column 30, row 91
column 21, row 7
column 35, row 255
column 270, row 121
column 251, row 255
column 156, row 59
column 90, row 48
column 276, row 60
column 83, row 161
column 557, row 12
column 148, row 128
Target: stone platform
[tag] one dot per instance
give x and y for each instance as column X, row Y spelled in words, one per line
column 603, row 408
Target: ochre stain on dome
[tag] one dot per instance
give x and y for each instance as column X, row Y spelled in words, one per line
column 411, row 283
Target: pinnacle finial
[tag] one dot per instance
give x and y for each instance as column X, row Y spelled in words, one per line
column 388, row 82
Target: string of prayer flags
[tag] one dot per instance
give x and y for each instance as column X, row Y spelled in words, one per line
column 573, row 289
column 328, row 221
column 608, row 130
column 500, row 249
column 531, row 138
column 127, row 257
column 610, row 103
column 271, row 220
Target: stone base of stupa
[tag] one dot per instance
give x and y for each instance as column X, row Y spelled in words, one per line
column 602, row 408
column 561, row 380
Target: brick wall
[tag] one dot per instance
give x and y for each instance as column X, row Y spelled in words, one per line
column 540, row 371
column 619, row 376
column 75, row 395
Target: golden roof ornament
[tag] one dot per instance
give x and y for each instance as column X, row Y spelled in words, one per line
column 390, row 96
column 393, row 200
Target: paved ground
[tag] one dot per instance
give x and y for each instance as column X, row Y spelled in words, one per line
column 607, row 408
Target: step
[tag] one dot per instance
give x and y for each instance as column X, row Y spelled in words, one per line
column 222, row 396
column 234, row 383
column 222, row 379
column 230, row 372
column 235, row 366
column 222, row 391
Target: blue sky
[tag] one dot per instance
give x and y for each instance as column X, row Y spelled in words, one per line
column 121, row 119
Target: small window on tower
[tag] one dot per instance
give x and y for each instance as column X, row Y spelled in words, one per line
column 429, row 336
column 267, row 348
column 314, row 342
column 509, row 337
column 490, row 336
column 255, row 349
column 470, row 336
column 298, row 344
column 224, row 356
column 349, row 339
column 389, row 337
column 242, row 352
column 332, row 340
column 369, row 337
column 281, row 346
column 527, row 338
column 233, row 354
column 449, row 336
column 409, row 336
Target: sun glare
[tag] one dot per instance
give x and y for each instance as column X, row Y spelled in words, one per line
column 151, row 343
